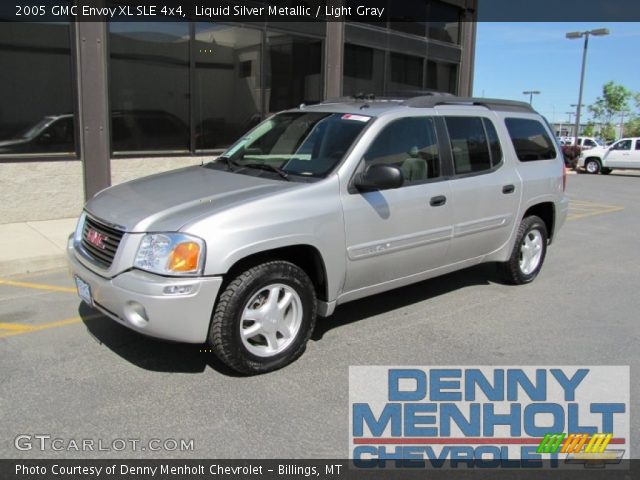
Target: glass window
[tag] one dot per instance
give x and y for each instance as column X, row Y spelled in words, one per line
column 637, row 144
column 442, row 77
column 294, row 71
column 494, row 142
column 444, row 21
column 36, row 89
column 149, row 86
column 622, row 145
column 301, row 143
column 228, row 90
column 530, row 139
column 408, row 17
column 406, row 72
column 409, row 144
column 468, row 144
column 363, row 70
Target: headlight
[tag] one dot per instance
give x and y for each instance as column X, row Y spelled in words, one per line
column 171, row 254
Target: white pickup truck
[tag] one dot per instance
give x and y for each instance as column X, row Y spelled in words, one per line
column 623, row 154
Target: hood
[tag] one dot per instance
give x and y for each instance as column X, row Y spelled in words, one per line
column 166, row 202
column 14, row 142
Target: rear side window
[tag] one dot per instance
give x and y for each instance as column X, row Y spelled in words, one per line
column 530, row 139
column 469, row 144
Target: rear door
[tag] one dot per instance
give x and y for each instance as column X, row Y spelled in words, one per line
column 485, row 189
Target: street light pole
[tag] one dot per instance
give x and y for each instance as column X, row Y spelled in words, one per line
column 531, row 93
column 574, row 35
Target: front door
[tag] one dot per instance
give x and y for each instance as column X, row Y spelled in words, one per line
column 620, row 154
column 396, row 233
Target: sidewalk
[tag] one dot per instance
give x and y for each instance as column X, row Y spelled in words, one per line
column 34, row 246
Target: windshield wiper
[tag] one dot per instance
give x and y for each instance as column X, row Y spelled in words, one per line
column 268, row 167
column 231, row 163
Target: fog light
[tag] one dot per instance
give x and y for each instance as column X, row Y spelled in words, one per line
column 178, row 289
column 136, row 314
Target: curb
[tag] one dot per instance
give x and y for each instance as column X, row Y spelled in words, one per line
column 32, row 265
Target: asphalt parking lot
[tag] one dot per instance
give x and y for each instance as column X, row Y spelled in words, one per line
column 71, row 373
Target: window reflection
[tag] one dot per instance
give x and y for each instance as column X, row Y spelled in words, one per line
column 442, row 76
column 227, row 80
column 35, row 60
column 406, row 72
column 444, row 22
column 363, row 70
column 294, row 71
column 149, row 86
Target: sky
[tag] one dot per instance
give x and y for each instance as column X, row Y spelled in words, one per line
column 515, row 57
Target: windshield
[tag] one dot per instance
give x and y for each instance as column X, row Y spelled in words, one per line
column 300, row 143
column 35, row 129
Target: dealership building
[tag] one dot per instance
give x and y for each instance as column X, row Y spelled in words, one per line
column 85, row 105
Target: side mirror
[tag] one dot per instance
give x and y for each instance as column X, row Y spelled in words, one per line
column 379, row 177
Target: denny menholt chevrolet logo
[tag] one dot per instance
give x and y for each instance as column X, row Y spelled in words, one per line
column 489, row 417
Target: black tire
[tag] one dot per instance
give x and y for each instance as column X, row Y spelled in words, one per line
column 513, row 270
column 592, row 165
column 225, row 331
column 605, row 170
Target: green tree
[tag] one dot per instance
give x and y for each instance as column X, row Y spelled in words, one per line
column 608, row 131
column 632, row 128
column 614, row 100
column 589, row 129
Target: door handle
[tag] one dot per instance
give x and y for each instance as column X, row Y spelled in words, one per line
column 508, row 189
column 438, row 201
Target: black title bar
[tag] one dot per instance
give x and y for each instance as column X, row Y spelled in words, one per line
column 379, row 12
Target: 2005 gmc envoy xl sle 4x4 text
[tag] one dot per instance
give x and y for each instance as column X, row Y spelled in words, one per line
column 316, row 207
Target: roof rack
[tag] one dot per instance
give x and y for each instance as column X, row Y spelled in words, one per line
column 365, row 99
column 430, row 101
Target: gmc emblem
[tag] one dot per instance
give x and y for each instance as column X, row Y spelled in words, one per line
column 96, row 239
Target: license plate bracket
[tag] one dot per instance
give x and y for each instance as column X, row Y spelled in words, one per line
column 84, row 291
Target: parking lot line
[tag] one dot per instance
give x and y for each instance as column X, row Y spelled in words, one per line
column 592, row 213
column 37, row 286
column 20, row 328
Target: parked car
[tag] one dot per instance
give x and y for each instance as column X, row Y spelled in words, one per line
column 584, row 143
column 316, row 207
column 131, row 131
column 51, row 134
column 623, row 154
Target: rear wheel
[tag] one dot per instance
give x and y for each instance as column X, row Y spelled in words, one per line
column 264, row 318
column 528, row 252
column 592, row 165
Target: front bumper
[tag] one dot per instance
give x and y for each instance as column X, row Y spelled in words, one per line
column 138, row 300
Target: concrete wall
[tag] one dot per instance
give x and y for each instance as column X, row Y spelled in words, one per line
column 32, row 191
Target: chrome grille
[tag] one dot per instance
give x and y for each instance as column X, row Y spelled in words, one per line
column 100, row 241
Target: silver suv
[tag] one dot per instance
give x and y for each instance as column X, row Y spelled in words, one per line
column 315, row 207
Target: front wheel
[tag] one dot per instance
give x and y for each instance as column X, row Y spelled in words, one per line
column 264, row 318
column 592, row 165
column 528, row 252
